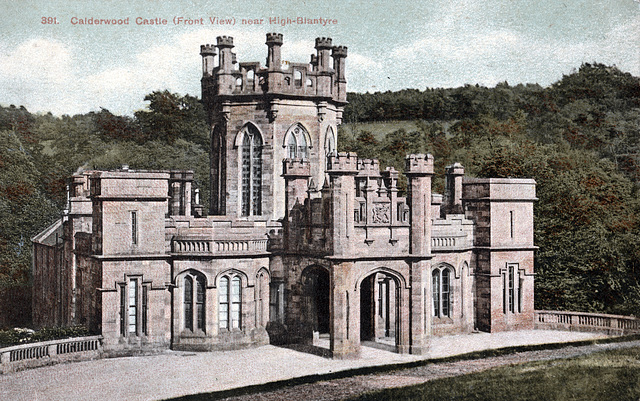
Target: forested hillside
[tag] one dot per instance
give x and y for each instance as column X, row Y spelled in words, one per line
column 579, row 139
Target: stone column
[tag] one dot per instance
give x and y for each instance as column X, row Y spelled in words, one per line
column 345, row 316
column 419, row 169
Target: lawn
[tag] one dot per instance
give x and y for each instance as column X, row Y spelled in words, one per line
column 603, row 376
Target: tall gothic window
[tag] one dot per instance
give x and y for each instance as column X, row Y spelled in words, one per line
column 441, row 290
column 251, row 172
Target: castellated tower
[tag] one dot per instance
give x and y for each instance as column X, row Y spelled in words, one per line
column 261, row 115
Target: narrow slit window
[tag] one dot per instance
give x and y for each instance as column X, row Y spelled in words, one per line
column 134, row 227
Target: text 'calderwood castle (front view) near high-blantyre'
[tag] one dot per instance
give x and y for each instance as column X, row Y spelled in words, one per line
column 299, row 240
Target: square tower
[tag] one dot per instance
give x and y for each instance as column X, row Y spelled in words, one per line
column 260, row 116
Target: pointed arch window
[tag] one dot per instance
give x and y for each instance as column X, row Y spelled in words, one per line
column 297, row 142
column 441, row 290
column 330, row 142
column 251, row 186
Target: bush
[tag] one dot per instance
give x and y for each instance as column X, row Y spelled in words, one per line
column 19, row 336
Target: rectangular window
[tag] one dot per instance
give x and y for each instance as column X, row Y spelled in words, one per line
column 200, row 303
column 511, row 223
column 276, row 298
column 445, row 293
column 235, row 303
column 134, row 227
column 145, row 306
column 188, row 303
column 133, row 306
column 123, row 310
column 435, row 290
column 223, row 296
column 511, row 293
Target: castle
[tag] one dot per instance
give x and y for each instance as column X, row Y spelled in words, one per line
column 300, row 241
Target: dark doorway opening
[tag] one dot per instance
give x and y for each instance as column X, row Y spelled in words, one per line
column 317, row 288
column 379, row 309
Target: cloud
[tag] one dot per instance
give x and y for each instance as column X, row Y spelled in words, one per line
column 36, row 72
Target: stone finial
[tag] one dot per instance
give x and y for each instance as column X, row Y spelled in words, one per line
column 419, row 164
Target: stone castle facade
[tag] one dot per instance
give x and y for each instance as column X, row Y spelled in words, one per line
column 299, row 241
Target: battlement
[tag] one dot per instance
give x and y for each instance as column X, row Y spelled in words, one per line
column 274, row 39
column 224, row 41
column 207, row 50
column 296, row 168
column 323, row 43
column 339, row 51
column 343, row 162
column 369, row 167
column 419, row 164
column 454, row 169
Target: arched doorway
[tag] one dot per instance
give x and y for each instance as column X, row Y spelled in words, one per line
column 379, row 309
column 316, row 298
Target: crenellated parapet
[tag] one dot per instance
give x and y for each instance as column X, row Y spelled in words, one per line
column 342, row 163
column 419, row 164
column 323, row 43
column 224, row 42
column 319, row 78
column 369, row 167
column 207, row 50
column 339, row 51
column 274, row 38
column 296, row 168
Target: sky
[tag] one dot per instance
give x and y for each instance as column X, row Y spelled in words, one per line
column 68, row 68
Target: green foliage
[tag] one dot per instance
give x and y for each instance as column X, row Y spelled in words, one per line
column 38, row 153
column 18, row 336
column 578, row 138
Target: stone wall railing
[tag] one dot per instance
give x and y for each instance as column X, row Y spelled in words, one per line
column 217, row 247
column 19, row 357
column 589, row 322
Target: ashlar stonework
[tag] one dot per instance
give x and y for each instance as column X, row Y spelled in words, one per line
column 300, row 241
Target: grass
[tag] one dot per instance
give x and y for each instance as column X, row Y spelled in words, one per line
column 607, row 375
column 378, row 128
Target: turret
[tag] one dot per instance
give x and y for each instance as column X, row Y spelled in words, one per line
column 226, row 82
column 225, row 44
column 342, row 169
column 453, row 188
column 274, row 77
column 208, row 53
column 339, row 54
column 323, row 47
column 274, row 43
column 419, row 169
